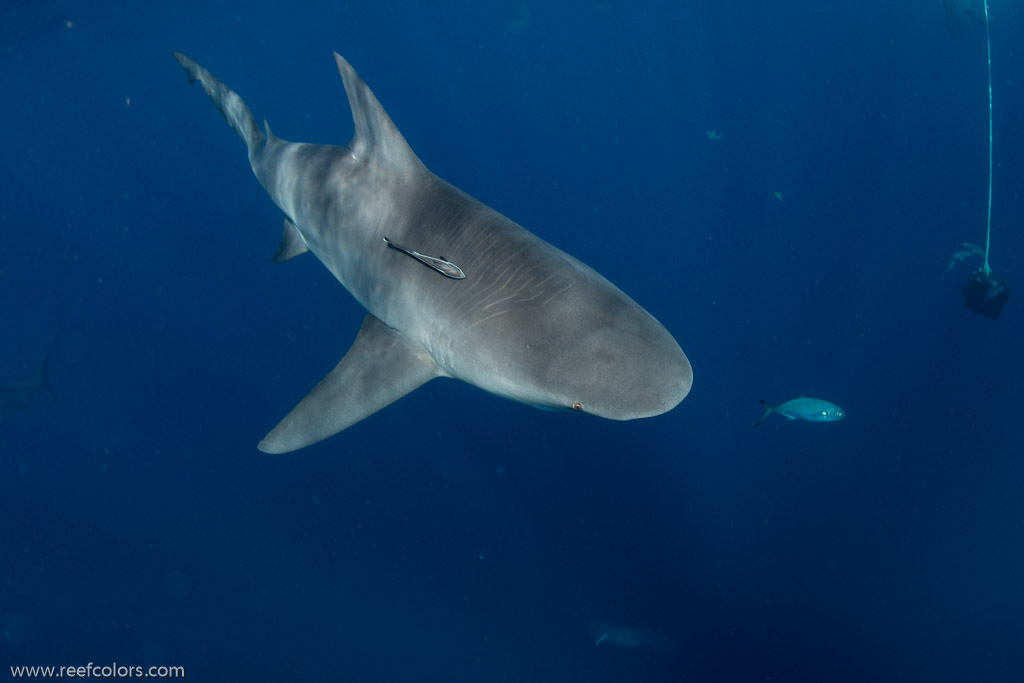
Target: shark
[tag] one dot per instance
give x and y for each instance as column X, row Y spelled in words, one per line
column 18, row 396
column 452, row 288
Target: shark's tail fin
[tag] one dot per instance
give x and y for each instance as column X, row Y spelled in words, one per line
column 43, row 378
column 768, row 410
column 230, row 104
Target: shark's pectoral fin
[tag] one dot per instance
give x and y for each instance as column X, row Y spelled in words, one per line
column 380, row 368
column 291, row 245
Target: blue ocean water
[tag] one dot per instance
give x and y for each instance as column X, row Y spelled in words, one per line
column 799, row 249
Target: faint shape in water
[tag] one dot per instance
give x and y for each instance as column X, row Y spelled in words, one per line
column 516, row 16
column 607, row 633
column 963, row 251
column 956, row 10
column 19, row 396
column 12, row 629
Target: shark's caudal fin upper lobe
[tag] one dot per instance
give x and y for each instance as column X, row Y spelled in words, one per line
column 228, row 102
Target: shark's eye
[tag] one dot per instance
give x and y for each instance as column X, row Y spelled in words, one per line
column 577, row 406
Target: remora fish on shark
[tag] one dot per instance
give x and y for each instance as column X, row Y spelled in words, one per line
column 438, row 263
column 527, row 321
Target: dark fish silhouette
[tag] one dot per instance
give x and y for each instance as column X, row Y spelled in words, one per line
column 18, row 396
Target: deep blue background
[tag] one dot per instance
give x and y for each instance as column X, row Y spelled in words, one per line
column 455, row 536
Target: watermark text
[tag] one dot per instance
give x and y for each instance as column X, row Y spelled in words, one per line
column 91, row 670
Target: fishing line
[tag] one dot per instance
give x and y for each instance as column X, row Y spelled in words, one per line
column 988, row 228
column 984, row 292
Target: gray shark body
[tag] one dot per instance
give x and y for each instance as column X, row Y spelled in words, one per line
column 525, row 321
column 18, row 396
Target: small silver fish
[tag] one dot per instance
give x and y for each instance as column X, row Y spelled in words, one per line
column 438, row 263
column 804, row 408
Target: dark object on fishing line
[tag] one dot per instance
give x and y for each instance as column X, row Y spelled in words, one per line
column 985, row 293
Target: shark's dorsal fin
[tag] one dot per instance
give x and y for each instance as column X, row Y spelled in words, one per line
column 376, row 134
column 291, row 245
